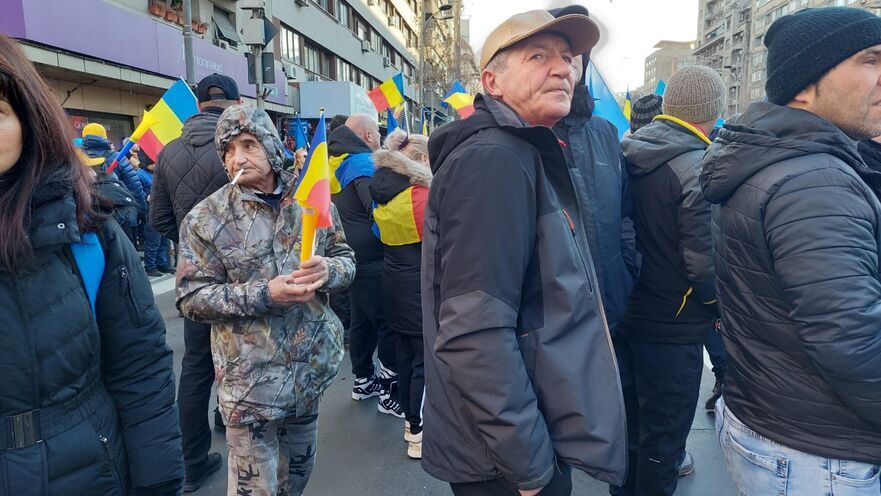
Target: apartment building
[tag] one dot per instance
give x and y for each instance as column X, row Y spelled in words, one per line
column 723, row 43
column 768, row 11
column 668, row 57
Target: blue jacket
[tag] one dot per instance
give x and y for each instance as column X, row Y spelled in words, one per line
column 146, row 179
column 95, row 146
column 596, row 165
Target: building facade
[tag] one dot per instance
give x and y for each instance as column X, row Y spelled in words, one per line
column 668, row 57
column 768, row 11
column 731, row 35
column 723, row 43
column 109, row 60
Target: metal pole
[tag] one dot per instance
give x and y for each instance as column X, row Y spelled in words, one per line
column 189, row 57
column 258, row 63
column 422, row 52
column 457, row 36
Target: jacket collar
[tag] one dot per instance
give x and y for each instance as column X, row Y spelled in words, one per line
column 690, row 127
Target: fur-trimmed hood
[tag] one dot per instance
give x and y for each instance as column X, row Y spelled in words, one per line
column 400, row 163
column 395, row 172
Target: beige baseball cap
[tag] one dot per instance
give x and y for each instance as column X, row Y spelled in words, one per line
column 581, row 32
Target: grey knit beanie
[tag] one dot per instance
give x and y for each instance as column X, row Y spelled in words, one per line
column 695, row 94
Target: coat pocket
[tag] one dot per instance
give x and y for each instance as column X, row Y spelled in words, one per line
column 318, row 347
column 127, row 292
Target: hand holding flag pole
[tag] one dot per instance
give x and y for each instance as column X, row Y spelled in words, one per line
column 147, row 122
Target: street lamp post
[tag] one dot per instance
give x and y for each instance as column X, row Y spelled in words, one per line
column 426, row 20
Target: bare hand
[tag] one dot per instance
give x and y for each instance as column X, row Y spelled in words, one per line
column 312, row 273
column 530, row 492
column 283, row 292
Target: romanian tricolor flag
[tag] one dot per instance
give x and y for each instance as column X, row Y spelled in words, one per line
column 162, row 123
column 313, row 190
column 399, row 221
column 389, row 93
column 627, row 105
column 460, row 100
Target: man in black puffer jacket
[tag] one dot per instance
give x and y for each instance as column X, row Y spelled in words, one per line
column 188, row 170
column 798, row 247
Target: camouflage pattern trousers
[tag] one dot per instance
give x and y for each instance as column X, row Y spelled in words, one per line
column 272, row 458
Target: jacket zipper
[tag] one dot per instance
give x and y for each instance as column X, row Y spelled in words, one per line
column 130, row 295
column 105, row 443
column 578, row 250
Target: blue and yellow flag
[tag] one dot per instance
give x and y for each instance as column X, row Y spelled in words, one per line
column 627, row 105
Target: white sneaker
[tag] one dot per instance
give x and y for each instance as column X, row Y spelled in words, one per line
column 409, row 436
column 414, row 450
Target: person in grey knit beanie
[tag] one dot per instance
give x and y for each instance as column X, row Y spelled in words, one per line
column 695, row 94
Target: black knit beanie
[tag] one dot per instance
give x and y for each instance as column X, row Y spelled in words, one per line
column 804, row 46
column 644, row 110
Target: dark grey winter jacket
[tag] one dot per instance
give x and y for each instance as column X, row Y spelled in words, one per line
column 798, row 249
column 519, row 365
column 187, row 171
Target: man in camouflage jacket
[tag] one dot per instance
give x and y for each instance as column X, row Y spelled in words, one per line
column 275, row 342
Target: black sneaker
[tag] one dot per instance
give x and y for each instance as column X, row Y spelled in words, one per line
column 710, row 405
column 195, row 479
column 166, row 270
column 154, row 273
column 388, row 400
column 366, row 387
column 389, row 405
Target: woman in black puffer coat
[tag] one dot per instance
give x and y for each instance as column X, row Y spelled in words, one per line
column 400, row 189
column 87, row 402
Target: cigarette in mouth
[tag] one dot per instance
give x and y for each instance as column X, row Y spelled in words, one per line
column 238, row 175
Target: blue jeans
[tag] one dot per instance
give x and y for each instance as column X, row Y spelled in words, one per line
column 762, row 467
column 155, row 248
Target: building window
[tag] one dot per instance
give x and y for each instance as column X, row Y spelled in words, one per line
column 758, row 75
column 291, row 44
column 328, row 6
column 311, row 60
column 345, row 16
column 226, row 28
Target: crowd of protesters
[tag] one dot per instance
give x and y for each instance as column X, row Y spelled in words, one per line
column 536, row 293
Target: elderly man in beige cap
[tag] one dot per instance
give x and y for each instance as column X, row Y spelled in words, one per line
column 521, row 378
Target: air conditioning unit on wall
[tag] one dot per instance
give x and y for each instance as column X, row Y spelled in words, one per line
column 289, row 70
column 386, row 62
column 365, row 46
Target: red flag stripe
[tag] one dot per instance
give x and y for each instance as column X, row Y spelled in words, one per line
column 150, row 144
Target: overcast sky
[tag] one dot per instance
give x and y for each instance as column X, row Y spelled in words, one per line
column 629, row 29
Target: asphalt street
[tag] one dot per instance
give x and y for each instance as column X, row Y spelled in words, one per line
column 362, row 452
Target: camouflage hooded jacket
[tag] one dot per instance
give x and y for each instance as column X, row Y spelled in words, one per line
column 270, row 362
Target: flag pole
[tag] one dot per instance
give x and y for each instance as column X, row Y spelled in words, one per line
column 147, row 122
